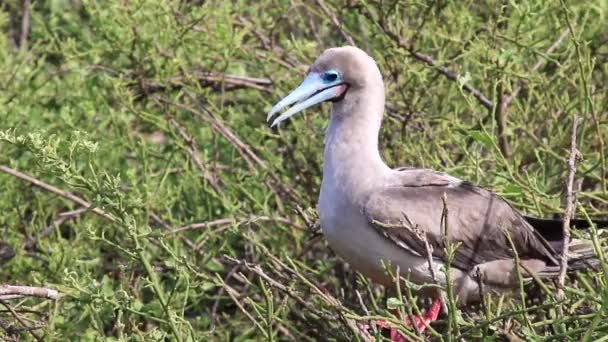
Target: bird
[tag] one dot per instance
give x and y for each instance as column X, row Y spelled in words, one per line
column 373, row 215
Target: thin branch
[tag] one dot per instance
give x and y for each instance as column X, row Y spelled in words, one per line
column 587, row 104
column 205, row 79
column 501, row 112
column 407, row 46
column 157, row 219
column 569, row 211
column 65, row 194
column 19, row 319
column 242, row 148
column 500, row 115
column 195, row 154
column 228, row 221
column 336, row 22
column 63, row 217
column 289, row 291
column 25, row 25
column 505, row 100
column 27, row 291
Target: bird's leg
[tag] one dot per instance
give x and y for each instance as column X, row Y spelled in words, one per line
column 430, row 316
column 421, row 322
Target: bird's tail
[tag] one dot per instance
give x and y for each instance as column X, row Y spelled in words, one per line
column 581, row 256
column 551, row 228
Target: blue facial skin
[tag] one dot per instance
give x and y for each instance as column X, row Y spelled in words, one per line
column 330, row 76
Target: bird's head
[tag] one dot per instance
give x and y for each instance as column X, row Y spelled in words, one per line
column 336, row 75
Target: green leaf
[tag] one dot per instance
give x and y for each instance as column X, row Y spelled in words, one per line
column 392, row 303
column 483, row 138
column 214, row 266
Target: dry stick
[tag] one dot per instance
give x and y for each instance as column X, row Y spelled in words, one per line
column 25, row 25
column 213, row 79
column 481, row 98
column 69, row 196
column 336, row 22
column 65, row 194
column 243, row 149
column 289, row 62
column 500, row 115
column 570, row 199
column 427, row 247
column 219, row 295
column 227, row 221
column 236, row 81
column 167, row 227
column 194, row 154
column 27, row 291
column 20, row 320
column 292, row 294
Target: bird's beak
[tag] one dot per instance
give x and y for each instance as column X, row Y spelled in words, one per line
column 310, row 92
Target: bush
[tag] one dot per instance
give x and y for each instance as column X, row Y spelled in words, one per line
column 203, row 227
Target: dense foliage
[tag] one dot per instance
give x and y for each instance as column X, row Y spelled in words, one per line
column 154, row 113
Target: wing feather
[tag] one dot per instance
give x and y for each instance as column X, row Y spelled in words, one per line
column 410, row 210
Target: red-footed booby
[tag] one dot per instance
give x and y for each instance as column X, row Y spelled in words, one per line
column 373, row 215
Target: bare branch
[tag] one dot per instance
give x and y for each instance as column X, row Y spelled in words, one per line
column 27, row 291
column 65, row 194
column 336, row 22
column 63, row 217
column 25, row 25
column 569, row 211
column 195, row 154
column 20, row 320
column 205, row 79
column 501, row 112
column 228, row 221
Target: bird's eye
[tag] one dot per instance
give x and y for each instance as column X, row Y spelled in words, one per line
column 330, row 76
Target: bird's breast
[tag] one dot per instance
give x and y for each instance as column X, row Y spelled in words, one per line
column 348, row 233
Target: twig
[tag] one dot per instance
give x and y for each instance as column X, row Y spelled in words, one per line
column 427, row 246
column 289, row 291
column 220, row 293
column 28, row 291
column 194, row 154
column 25, row 25
column 501, row 112
column 19, row 319
column 205, row 79
column 505, row 101
column 500, row 115
column 155, row 218
column 65, row 194
column 227, row 221
column 407, row 46
column 243, row 149
column 570, row 199
column 336, row 22
column 63, row 217
column 587, row 104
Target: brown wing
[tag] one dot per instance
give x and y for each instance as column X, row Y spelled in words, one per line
column 478, row 220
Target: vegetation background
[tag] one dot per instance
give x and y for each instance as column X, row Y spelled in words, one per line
column 153, row 113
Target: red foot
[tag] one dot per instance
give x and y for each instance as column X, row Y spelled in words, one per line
column 420, row 321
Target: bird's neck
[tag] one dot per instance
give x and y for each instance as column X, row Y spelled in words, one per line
column 352, row 161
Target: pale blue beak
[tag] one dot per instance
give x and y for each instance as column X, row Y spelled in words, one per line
column 311, row 91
